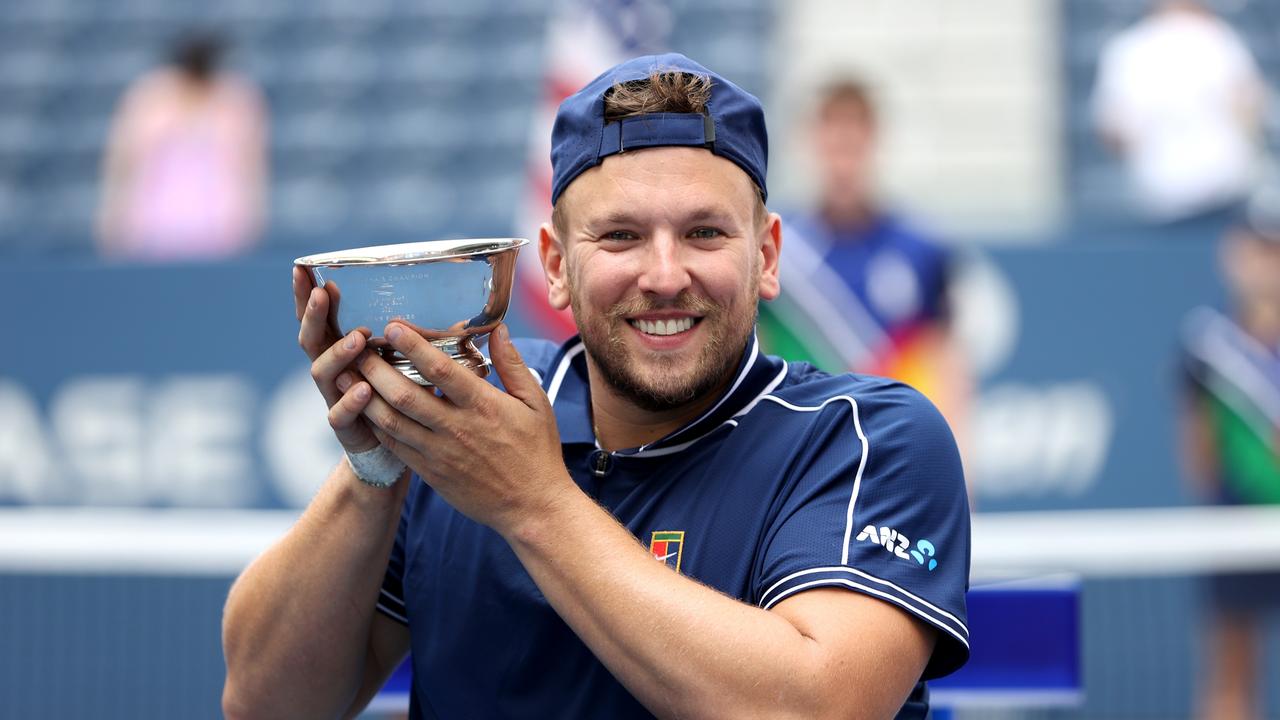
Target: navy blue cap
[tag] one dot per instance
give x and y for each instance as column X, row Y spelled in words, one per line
column 734, row 128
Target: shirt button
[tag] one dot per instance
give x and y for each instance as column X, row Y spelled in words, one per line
column 601, row 463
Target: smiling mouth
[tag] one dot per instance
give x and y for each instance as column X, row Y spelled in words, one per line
column 664, row 327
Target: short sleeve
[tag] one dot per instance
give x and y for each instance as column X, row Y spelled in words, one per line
column 877, row 504
column 391, row 595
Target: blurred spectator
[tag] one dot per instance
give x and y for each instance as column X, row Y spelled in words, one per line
column 185, row 168
column 1180, row 98
column 1232, row 442
column 863, row 289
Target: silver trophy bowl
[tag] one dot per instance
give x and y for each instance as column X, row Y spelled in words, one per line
column 452, row 292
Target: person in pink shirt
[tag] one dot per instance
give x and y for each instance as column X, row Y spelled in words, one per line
column 185, row 169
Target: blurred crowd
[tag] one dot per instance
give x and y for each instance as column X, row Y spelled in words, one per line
column 1181, row 100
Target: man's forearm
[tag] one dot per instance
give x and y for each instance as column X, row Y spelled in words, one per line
column 297, row 621
column 714, row 656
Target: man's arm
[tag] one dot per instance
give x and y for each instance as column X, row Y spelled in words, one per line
column 685, row 650
column 300, row 633
column 1199, row 452
column 680, row 647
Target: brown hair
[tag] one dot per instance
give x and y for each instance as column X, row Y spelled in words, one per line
column 671, row 92
column 664, row 91
column 198, row 54
column 848, row 92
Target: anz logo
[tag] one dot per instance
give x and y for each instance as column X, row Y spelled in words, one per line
column 900, row 545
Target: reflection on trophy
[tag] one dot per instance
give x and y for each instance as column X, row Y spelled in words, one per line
column 452, row 292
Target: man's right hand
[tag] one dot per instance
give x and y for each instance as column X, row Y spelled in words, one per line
column 345, row 391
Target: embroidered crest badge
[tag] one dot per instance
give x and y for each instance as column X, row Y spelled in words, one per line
column 667, row 546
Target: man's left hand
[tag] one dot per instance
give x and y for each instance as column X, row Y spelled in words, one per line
column 494, row 456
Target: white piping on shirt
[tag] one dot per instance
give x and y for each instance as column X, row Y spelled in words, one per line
column 751, row 362
column 878, row 593
column 563, row 368
column 862, row 461
column 684, row 445
column 872, row 578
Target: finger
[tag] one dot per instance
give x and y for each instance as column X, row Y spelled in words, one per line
column 314, row 334
column 406, row 396
column 408, row 455
column 463, row 387
column 516, row 378
column 347, row 420
column 302, row 285
column 331, row 364
column 402, row 429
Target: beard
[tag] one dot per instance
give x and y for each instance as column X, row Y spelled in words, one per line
column 664, row 383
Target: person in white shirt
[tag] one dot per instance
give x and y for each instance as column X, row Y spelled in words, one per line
column 1180, row 97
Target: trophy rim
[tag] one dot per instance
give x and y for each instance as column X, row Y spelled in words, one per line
column 423, row 251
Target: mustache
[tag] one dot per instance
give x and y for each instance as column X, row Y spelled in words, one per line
column 685, row 302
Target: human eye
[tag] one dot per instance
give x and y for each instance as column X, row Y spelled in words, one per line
column 618, row 235
column 706, row 233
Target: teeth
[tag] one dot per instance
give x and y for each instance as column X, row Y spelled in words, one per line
column 663, row 327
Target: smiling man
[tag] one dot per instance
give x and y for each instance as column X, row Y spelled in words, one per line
column 653, row 519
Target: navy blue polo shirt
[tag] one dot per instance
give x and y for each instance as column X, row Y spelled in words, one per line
column 794, row 479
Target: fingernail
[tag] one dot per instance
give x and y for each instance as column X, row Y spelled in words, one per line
column 501, row 332
column 350, row 344
column 362, row 392
column 343, row 382
column 311, row 302
column 393, row 333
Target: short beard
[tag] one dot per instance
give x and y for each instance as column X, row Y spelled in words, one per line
column 715, row 363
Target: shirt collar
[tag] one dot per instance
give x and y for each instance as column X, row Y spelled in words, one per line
column 569, row 390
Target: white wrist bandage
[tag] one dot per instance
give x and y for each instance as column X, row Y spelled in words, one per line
column 376, row 467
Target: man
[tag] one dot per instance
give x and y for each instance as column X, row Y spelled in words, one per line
column 1231, row 425
column 761, row 493
column 867, row 291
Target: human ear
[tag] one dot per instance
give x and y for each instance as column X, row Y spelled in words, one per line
column 770, row 239
column 551, row 252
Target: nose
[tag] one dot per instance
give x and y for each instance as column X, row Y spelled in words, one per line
column 664, row 273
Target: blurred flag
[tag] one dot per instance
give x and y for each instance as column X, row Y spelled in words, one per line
column 584, row 38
